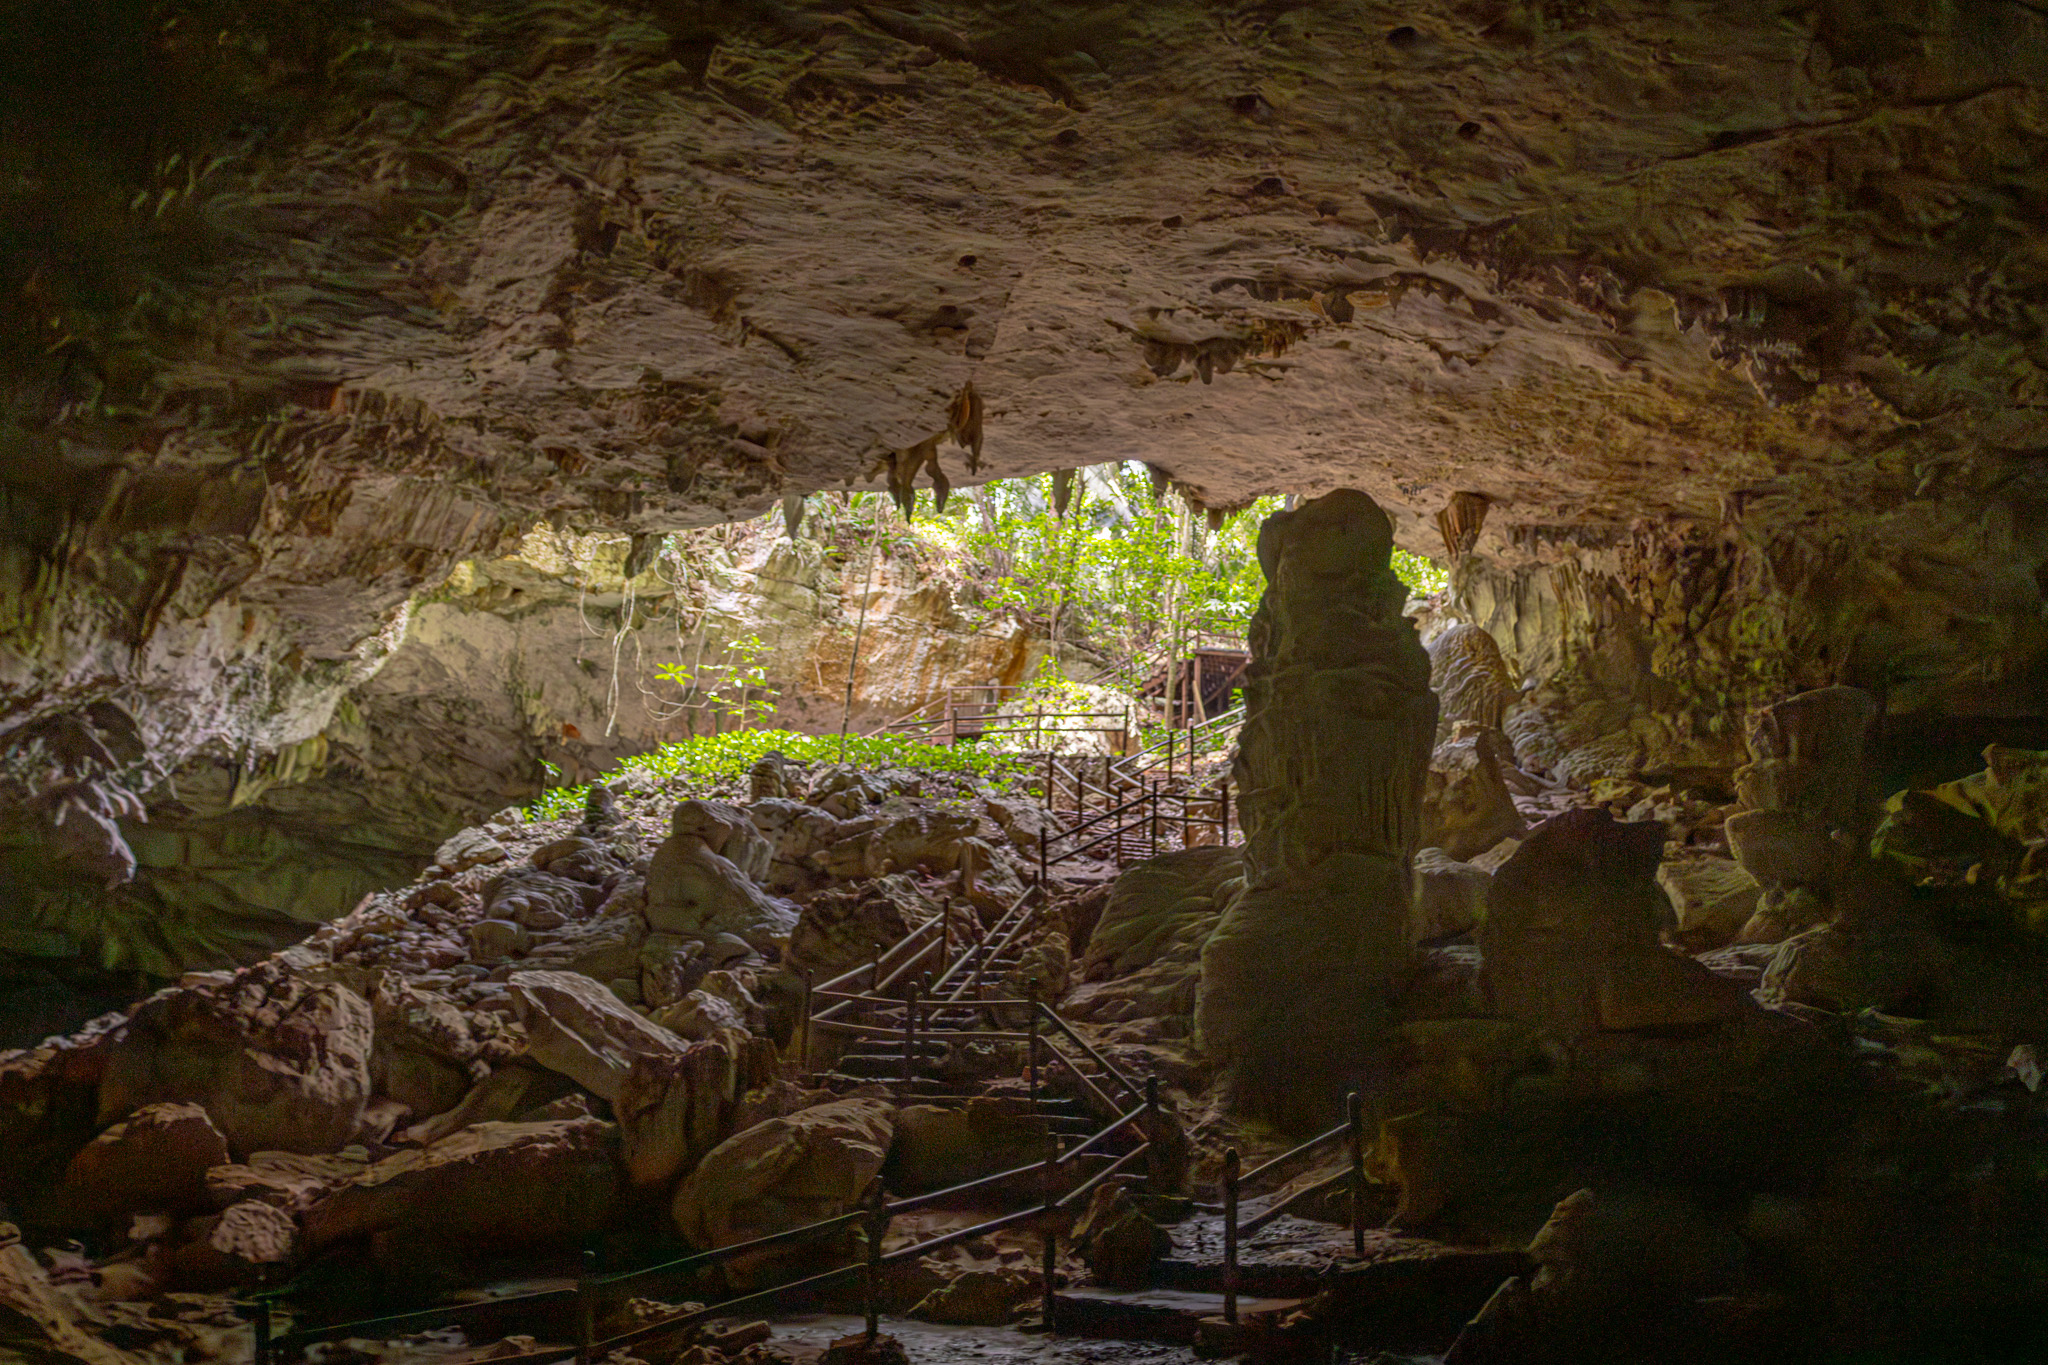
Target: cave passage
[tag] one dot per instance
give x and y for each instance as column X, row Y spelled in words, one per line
column 720, row 682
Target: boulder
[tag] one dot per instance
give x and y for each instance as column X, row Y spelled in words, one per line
column 577, row 859
column 1466, row 805
column 700, row 1015
column 508, row 1092
column 846, row 791
column 288, row 1180
column 233, row 1246
column 675, row 1107
column 277, row 1063
column 860, row 1349
column 1783, row 848
column 580, row 1029
column 785, row 1172
column 936, row 1148
column 1119, row 1243
column 1450, row 896
column 670, row 967
column 468, row 848
column 499, row 1186
column 1711, row 899
column 1044, row 968
column 930, row 839
column 773, row 776
column 1570, row 941
column 795, row 831
column 154, row 1162
column 693, row 891
column 425, row 1056
column 538, row 900
column 1024, row 823
column 43, row 1321
column 48, row 1100
column 842, row 928
column 980, row 1298
column 1987, row 832
column 1144, row 957
column 494, row 940
column 728, row 831
column 987, row 878
column 1803, row 785
column 605, row 947
column 1806, row 756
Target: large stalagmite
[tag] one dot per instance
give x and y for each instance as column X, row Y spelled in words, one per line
column 1335, row 748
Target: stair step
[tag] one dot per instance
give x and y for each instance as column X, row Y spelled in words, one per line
column 1166, row 1315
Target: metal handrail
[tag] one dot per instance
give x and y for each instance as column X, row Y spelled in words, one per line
column 980, row 941
column 1318, row 1140
column 1252, row 1225
column 851, row 972
column 1093, row 1055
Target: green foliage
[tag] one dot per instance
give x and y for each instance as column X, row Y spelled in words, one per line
column 710, row 758
column 1423, row 576
column 1078, row 711
column 741, row 687
column 1124, row 571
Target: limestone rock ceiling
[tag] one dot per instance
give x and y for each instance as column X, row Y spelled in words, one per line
column 305, row 311
column 1596, row 265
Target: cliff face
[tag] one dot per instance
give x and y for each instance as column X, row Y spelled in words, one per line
column 1729, row 318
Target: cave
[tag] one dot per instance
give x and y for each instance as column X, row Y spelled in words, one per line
column 441, row 445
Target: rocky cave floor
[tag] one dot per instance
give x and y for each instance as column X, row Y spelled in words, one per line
column 1821, row 1137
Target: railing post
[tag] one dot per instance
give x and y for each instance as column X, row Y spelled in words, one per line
column 1230, row 1236
column 803, row 1024
column 1052, row 1255
column 1225, row 787
column 259, row 1324
column 871, row 1279
column 1149, row 1125
column 1049, row 796
column 1152, row 792
column 586, row 1308
column 875, row 977
column 1044, row 857
column 910, row 1036
column 1354, row 1109
column 1031, row 1042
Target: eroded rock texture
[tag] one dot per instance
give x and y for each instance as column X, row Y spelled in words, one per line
column 1339, row 721
column 371, row 290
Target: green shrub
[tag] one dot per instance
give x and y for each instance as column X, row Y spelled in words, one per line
column 708, row 758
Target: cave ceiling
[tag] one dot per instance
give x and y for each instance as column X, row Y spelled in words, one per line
column 305, row 304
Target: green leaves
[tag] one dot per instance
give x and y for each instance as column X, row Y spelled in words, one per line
column 709, row 758
column 733, row 688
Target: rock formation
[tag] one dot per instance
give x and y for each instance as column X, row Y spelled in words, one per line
column 1339, row 722
column 1570, row 941
column 1808, row 816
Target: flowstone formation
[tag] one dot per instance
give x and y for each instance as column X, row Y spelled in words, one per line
column 1339, row 721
